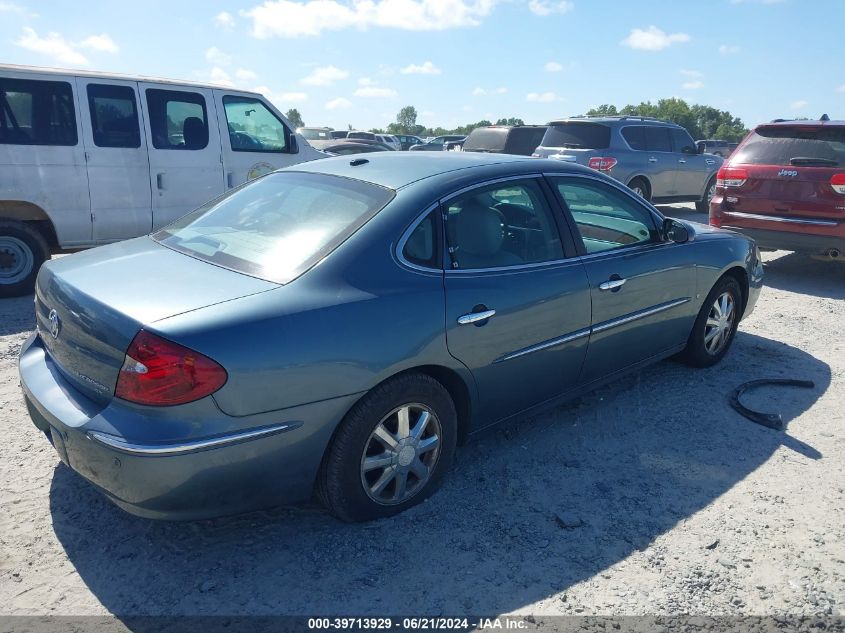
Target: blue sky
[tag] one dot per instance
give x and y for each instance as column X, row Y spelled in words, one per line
column 359, row 61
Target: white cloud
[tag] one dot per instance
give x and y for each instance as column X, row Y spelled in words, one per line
column 338, row 104
column 501, row 90
column 693, row 85
column 542, row 97
column 691, row 73
column 729, row 49
column 479, row 92
column 841, row 88
column 467, row 108
column 543, row 8
column 216, row 56
column 219, row 76
column 52, row 45
column 292, row 18
column 325, row 76
column 366, row 81
column 245, row 74
column 281, row 100
column 375, row 92
column 553, row 67
column 11, row 7
column 653, row 39
column 224, row 19
column 102, row 43
column 427, row 68
column 798, row 105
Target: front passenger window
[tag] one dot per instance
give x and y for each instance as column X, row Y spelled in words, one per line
column 507, row 224
column 606, row 219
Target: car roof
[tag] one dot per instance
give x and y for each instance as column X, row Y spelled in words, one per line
column 395, row 170
column 802, row 122
column 106, row 75
column 614, row 119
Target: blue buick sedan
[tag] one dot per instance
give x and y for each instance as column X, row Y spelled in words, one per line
column 341, row 326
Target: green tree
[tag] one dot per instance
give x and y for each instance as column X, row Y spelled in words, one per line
column 406, row 120
column 510, row 121
column 295, row 118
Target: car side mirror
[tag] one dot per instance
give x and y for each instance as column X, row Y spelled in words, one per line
column 674, row 231
column 700, row 149
column 293, row 146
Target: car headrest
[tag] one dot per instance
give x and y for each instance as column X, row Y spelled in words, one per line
column 479, row 230
column 194, row 133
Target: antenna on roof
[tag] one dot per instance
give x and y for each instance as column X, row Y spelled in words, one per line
column 824, row 117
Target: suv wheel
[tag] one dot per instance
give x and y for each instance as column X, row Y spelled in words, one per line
column 641, row 188
column 703, row 205
column 391, row 451
column 22, row 251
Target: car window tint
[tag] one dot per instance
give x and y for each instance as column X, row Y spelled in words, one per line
column 114, row 116
column 178, row 119
column 253, row 127
column 635, row 136
column 606, row 218
column 682, row 141
column 657, row 139
column 421, row 246
column 577, row 135
column 787, row 145
column 507, row 224
column 37, row 113
column 278, row 225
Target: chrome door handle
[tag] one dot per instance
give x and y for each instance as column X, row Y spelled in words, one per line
column 475, row 317
column 682, row 161
column 611, row 284
column 652, row 160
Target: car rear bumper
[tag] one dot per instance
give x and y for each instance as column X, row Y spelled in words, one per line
column 789, row 241
column 259, row 461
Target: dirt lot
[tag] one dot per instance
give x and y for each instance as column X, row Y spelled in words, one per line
column 650, row 496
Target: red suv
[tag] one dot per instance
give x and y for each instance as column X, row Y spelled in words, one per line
column 784, row 186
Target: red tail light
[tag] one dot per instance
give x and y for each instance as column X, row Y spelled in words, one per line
column 158, row 372
column 602, row 163
column 731, row 177
column 837, row 181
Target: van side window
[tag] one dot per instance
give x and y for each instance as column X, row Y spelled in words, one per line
column 177, row 119
column 114, row 116
column 36, row 113
column 253, row 127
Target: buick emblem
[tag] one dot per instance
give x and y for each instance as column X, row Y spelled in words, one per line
column 54, row 323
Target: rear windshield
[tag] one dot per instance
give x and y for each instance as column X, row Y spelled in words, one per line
column 486, row 140
column 577, row 135
column 278, row 226
column 799, row 145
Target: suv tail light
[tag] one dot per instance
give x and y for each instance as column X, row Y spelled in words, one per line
column 731, row 177
column 159, row 372
column 837, row 181
column 602, row 163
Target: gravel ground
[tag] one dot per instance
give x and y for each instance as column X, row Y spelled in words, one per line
column 649, row 496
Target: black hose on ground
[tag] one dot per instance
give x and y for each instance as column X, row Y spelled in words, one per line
column 770, row 420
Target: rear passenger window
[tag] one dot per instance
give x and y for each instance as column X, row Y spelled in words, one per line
column 421, row 247
column 114, row 116
column 36, row 113
column 253, row 127
column 178, row 119
column 635, row 137
column 657, row 139
column 606, row 219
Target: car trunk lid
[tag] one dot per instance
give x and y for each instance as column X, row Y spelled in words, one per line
column 89, row 306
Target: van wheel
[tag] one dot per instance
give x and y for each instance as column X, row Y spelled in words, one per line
column 703, row 205
column 391, row 450
column 641, row 188
column 22, row 251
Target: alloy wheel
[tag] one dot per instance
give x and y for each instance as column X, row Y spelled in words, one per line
column 401, row 454
column 719, row 324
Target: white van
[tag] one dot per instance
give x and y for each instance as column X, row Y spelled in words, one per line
column 89, row 158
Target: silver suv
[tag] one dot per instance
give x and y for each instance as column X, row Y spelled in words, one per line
column 656, row 159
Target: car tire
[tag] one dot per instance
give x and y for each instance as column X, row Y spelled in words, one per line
column 703, row 205
column 640, row 187
column 22, row 251
column 711, row 335
column 361, row 455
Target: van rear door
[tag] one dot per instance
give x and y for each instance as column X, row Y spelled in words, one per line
column 256, row 139
column 184, row 149
column 116, row 158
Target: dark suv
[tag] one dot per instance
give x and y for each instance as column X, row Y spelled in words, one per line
column 785, row 187
column 717, row 147
column 505, row 139
column 656, row 159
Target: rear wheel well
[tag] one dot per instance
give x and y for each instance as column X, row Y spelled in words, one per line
column 741, row 277
column 33, row 215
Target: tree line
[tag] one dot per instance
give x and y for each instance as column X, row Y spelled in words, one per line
column 701, row 121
